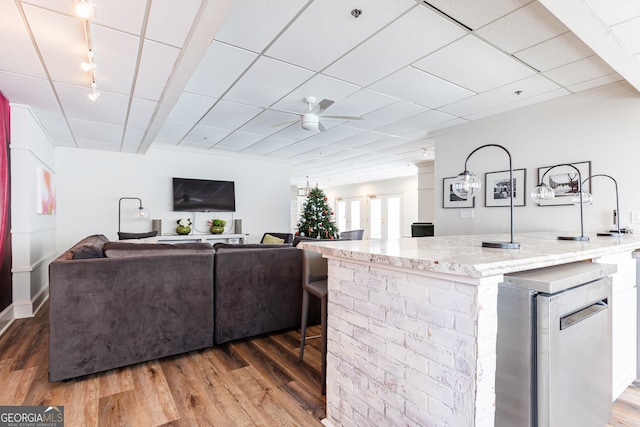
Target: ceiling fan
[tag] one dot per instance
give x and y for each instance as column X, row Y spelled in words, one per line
column 310, row 119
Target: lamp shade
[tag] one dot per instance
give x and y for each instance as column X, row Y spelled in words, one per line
column 587, row 198
column 466, row 185
column 541, row 193
column 142, row 213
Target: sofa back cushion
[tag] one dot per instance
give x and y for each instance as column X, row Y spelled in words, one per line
column 89, row 247
column 125, row 249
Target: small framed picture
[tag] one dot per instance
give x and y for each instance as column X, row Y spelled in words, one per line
column 564, row 180
column 450, row 199
column 498, row 189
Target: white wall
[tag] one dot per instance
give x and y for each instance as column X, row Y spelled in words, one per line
column 32, row 235
column 601, row 125
column 406, row 186
column 90, row 183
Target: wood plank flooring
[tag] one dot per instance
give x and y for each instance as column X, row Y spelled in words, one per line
column 254, row 382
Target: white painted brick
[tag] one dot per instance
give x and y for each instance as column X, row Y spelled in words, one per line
column 451, row 339
column 360, row 408
column 391, row 366
column 429, row 386
column 465, row 288
column 355, row 319
column 395, row 351
column 360, row 380
column 341, row 299
column 386, row 331
column 386, row 300
column 340, row 325
column 369, row 310
column 450, row 378
column 376, row 418
column 354, row 266
column 409, row 290
column 346, row 384
column 366, row 337
column 432, row 314
column 389, row 393
column 356, row 291
column 389, row 274
column 416, row 361
column 464, row 324
column 430, row 351
column 395, row 417
column 342, row 273
column 373, row 399
column 413, row 326
column 439, row 410
column 422, row 417
column 372, row 370
column 364, row 279
column 454, row 301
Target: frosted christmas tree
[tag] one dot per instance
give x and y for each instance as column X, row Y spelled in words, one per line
column 316, row 219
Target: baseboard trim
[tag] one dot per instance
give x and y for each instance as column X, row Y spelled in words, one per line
column 30, row 309
column 6, row 319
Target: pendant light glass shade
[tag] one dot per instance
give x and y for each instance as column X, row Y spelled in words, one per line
column 587, row 198
column 142, row 213
column 541, row 193
column 466, row 185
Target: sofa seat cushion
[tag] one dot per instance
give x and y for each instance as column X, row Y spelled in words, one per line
column 125, row 249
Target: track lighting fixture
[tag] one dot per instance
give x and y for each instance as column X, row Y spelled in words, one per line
column 87, row 11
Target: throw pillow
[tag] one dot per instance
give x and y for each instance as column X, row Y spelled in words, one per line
column 87, row 252
column 272, row 240
column 125, row 236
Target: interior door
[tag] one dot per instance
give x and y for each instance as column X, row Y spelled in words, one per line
column 385, row 216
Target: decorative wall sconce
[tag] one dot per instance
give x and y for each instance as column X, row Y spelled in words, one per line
column 468, row 185
column 140, row 214
column 543, row 192
column 616, row 217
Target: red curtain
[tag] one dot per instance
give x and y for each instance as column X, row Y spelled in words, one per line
column 5, row 205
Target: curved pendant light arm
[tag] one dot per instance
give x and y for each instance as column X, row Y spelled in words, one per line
column 579, row 190
column 615, row 183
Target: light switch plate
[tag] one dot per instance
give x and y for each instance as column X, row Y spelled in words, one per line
column 466, row 213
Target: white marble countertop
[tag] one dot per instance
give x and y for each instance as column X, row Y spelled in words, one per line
column 464, row 255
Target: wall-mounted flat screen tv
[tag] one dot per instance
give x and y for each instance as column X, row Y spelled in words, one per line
column 203, row 195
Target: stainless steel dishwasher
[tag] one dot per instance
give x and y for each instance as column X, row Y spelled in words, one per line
column 553, row 365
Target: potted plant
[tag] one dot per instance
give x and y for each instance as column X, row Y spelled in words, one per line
column 217, row 226
column 184, row 226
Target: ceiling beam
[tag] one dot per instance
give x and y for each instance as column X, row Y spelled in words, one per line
column 580, row 19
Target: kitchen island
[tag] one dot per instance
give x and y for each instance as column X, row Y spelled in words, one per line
column 412, row 323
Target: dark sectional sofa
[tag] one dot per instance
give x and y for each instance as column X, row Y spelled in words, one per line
column 114, row 304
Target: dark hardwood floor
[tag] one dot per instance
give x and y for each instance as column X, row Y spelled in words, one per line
column 251, row 382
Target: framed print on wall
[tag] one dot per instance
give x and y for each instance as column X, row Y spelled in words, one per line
column 564, row 181
column 497, row 188
column 450, row 199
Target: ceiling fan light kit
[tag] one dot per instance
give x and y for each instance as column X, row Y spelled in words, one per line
column 310, row 120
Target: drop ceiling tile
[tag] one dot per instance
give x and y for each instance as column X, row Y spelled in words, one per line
column 116, row 56
column 321, row 47
column 269, row 122
column 580, row 71
column 239, row 140
column 523, row 28
column 295, row 131
column 614, row 12
column 474, row 65
column 110, row 14
column 418, row 33
column 224, row 62
column 293, row 150
column 97, row 145
column 205, row 135
column 359, row 140
column 421, row 88
column 600, row 81
column 173, row 131
column 362, row 102
column 110, row 108
column 141, row 112
column 229, row 115
column 628, row 33
column 389, row 114
column 419, row 121
column 156, row 65
column 268, row 145
column 95, row 131
column 374, row 147
column 18, row 56
column 132, row 139
column 246, row 26
column 31, row 91
column 531, row 86
column 61, row 42
column 474, row 13
column 319, row 86
column 170, row 21
column 333, row 134
column 546, row 96
column 191, row 107
column 55, row 126
column 555, row 52
column 282, row 78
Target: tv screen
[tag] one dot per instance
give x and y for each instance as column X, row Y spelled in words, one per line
column 203, row 195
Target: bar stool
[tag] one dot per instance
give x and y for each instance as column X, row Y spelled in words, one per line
column 314, row 281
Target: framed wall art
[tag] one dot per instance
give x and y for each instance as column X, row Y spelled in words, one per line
column 564, row 181
column 450, row 199
column 498, row 190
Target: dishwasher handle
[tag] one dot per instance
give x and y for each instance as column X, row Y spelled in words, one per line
column 582, row 314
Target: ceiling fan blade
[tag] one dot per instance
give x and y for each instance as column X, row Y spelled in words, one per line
column 321, row 106
column 282, row 111
column 321, row 127
column 343, row 117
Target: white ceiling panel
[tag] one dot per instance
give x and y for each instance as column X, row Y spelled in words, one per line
column 531, row 86
column 191, row 107
column 230, row 115
column 345, row 32
column 141, row 112
column 17, row 56
column 170, row 21
column 403, row 65
column 419, row 32
column 111, row 109
column 61, row 42
column 156, row 65
column 282, row 77
column 474, row 13
column 523, row 28
column 268, row 145
column 28, row 90
column 250, row 14
column 474, row 65
column 422, row 88
column 219, row 69
column 580, row 71
column 555, row 52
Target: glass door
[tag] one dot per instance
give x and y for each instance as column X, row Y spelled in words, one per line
column 385, row 217
column 348, row 214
